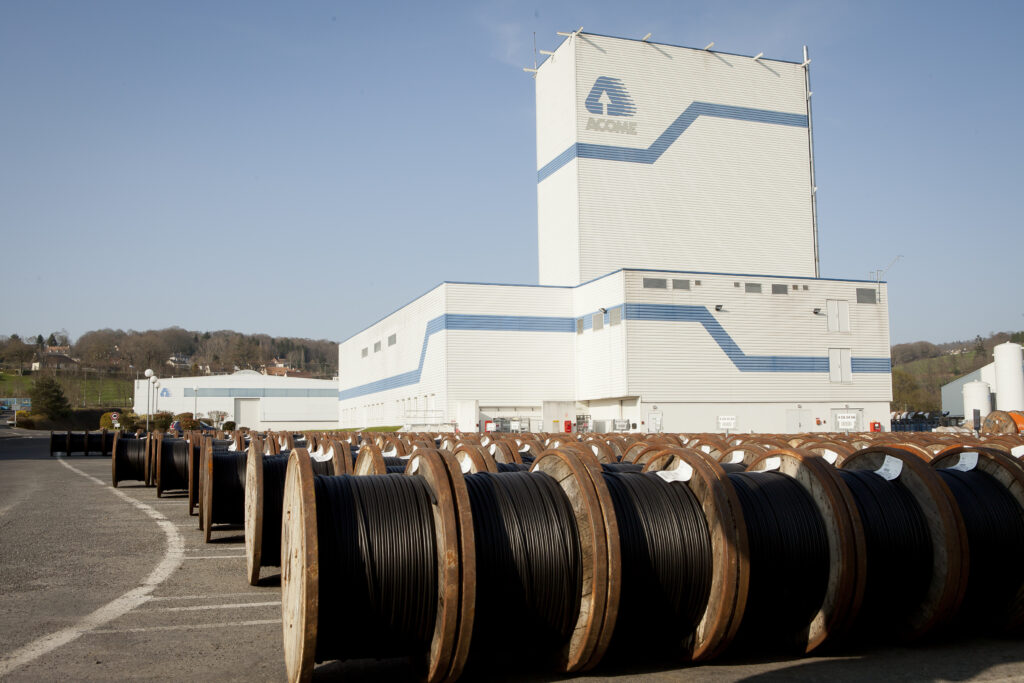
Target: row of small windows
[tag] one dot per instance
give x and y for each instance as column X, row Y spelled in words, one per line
column 662, row 283
column 597, row 320
column 392, row 340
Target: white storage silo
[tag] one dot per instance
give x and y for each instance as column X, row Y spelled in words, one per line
column 1009, row 376
column 977, row 395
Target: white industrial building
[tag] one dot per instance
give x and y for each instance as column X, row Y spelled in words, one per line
column 679, row 283
column 248, row 398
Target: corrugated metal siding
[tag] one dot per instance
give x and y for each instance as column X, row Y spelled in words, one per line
column 600, row 354
column 413, row 369
column 506, row 366
column 730, row 186
column 672, row 360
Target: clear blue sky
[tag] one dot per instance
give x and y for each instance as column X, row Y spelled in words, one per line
column 305, row 168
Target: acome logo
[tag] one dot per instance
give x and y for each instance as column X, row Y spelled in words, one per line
column 609, row 97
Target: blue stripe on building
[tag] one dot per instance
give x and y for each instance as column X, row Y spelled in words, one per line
column 585, row 150
column 659, row 312
column 255, row 392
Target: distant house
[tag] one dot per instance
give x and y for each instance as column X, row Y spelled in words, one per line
column 279, row 367
column 53, row 358
column 179, row 361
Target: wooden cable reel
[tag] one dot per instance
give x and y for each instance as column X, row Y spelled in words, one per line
column 300, row 573
column 731, row 576
column 948, row 582
column 1009, row 473
column 845, row 587
column 255, row 496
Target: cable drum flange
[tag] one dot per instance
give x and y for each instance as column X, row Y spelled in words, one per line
column 948, row 535
column 729, row 549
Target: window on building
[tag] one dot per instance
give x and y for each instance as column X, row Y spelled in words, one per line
column 867, row 295
column 393, row 339
column 796, row 287
column 579, row 325
column 598, row 321
column 366, row 352
column 780, row 289
column 839, row 368
column 752, row 288
column 696, row 283
column 735, row 284
column 655, row 283
column 805, row 288
column 615, row 316
column 680, row 284
column 376, row 347
column 838, row 315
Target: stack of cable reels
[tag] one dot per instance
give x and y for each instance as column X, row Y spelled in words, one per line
column 948, row 537
column 831, row 451
column 736, row 458
column 443, row 657
column 988, row 487
column 730, row 576
column 1003, row 422
column 371, row 461
column 264, row 497
column 473, row 459
column 843, row 586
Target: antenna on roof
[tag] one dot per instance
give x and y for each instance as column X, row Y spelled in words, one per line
column 644, row 39
column 534, row 49
column 709, row 45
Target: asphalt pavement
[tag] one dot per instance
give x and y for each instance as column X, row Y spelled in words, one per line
column 98, row 583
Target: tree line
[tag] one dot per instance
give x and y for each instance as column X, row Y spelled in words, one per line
column 129, row 352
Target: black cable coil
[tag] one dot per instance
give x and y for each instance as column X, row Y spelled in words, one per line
column 789, row 557
column 899, row 551
column 274, row 469
column 667, row 561
column 377, row 566
column 395, row 465
column 995, row 536
column 733, row 466
column 228, row 482
column 131, row 459
column 76, row 442
column 621, row 467
column 512, row 467
column 529, row 564
column 174, row 464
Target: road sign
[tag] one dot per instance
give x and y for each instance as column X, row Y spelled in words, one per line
column 114, row 417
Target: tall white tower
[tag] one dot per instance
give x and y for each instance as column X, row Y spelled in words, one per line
column 656, row 156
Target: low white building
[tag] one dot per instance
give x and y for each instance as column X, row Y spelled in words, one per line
column 661, row 350
column 249, row 398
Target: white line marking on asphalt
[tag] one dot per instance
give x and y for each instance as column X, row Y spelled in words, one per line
column 189, row 627
column 115, row 608
column 213, row 557
column 195, row 608
column 208, row 597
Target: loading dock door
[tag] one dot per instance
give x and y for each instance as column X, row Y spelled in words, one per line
column 247, row 412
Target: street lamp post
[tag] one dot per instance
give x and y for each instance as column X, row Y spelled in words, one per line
column 149, row 385
column 195, row 405
column 156, row 396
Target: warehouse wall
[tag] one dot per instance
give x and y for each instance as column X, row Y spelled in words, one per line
column 601, row 354
column 277, row 402
column 514, row 345
column 760, row 347
column 395, row 382
column 694, row 161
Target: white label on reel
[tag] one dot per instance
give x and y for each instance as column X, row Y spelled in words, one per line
column 233, row 447
column 1017, row 451
column 706, row 448
column 681, row 473
column 415, row 466
column 524, row 448
column 595, row 449
column 772, row 463
column 323, row 456
column 830, row 456
column 890, row 469
column 464, row 464
column 967, row 462
column 737, row 456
